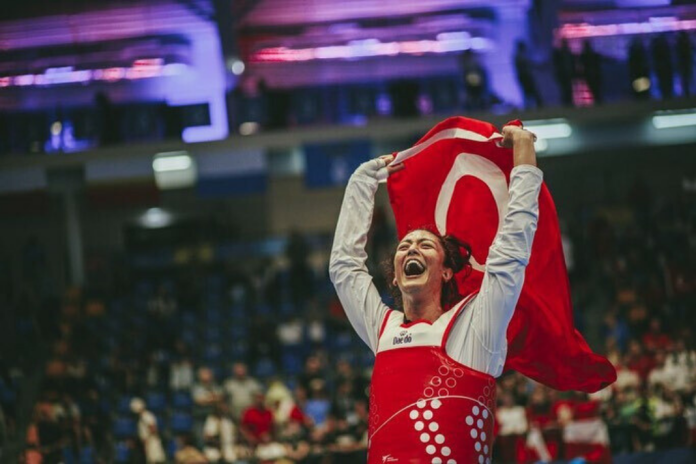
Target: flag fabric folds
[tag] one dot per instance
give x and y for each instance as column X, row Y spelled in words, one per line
column 456, row 181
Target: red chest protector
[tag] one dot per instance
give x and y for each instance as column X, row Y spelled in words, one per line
column 425, row 407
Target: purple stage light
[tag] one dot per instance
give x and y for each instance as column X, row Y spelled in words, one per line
column 443, row 43
column 141, row 69
column 653, row 25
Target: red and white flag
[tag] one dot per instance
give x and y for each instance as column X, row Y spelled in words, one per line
column 456, row 181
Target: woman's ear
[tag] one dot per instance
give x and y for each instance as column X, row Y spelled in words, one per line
column 394, row 282
column 447, row 274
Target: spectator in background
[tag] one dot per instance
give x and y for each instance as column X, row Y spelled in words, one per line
column 187, row 453
column 664, row 69
column 512, row 422
column 277, row 102
column 404, row 98
column 241, row 390
column 564, row 70
column 219, row 435
column 592, row 71
column 343, row 405
column 50, row 439
column 681, row 364
column 346, row 373
column 475, row 81
column 685, row 61
column 655, row 339
column 313, row 379
column 666, row 408
column 269, row 450
column 639, row 69
column 525, row 77
column 290, row 333
column 34, row 265
column 660, row 375
column 257, row 421
column 264, row 343
column 638, row 360
column 106, row 120
column 280, row 400
column 206, row 394
column 616, row 330
column 148, row 433
column 162, row 304
column 625, row 378
column 301, row 279
column 181, row 374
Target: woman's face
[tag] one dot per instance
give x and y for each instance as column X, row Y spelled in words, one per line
column 419, row 264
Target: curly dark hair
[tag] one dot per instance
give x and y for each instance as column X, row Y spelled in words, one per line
column 457, row 257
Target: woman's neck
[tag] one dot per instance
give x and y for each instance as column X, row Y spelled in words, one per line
column 427, row 310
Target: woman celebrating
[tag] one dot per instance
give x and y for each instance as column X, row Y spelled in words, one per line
column 437, row 356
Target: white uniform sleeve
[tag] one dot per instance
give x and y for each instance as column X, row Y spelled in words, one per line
column 359, row 297
column 478, row 338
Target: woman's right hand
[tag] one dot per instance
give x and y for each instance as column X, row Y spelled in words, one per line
column 379, row 168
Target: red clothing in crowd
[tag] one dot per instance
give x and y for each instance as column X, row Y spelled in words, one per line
column 257, row 421
column 296, row 415
column 656, row 341
column 641, row 365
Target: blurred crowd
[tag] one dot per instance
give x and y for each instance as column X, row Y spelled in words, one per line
column 223, row 365
column 197, row 367
column 632, row 278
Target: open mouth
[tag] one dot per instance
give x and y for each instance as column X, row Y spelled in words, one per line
column 413, row 267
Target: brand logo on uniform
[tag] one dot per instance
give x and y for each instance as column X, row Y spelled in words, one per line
column 403, row 338
column 389, row 458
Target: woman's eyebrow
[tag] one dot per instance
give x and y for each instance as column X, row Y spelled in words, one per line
column 421, row 240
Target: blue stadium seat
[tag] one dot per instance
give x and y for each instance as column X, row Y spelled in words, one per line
column 144, row 288
column 87, row 455
column 367, row 359
column 7, row 394
column 156, row 401
column 182, row 400
column 219, row 372
column 169, row 285
column 291, row 383
column 122, row 452
column 181, row 422
column 347, row 356
column 212, row 353
column 287, row 309
column 240, row 349
column 238, row 332
column 215, row 282
column 124, row 405
column 188, row 318
column 189, row 337
column 264, row 310
column 292, row 364
column 264, row 368
column 342, row 341
column 213, row 315
column 237, row 311
column 125, row 427
column 213, row 333
column 68, row 455
column 172, row 448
